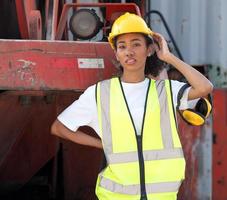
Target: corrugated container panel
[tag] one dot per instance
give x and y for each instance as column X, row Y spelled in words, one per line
column 200, row 31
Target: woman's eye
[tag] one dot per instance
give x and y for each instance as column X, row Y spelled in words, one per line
column 121, row 47
column 136, row 44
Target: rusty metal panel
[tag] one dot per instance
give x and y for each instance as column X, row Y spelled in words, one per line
column 196, row 142
column 54, row 65
column 81, row 166
column 25, row 140
column 220, row 145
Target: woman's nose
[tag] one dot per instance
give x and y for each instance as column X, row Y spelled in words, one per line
column 129, row 52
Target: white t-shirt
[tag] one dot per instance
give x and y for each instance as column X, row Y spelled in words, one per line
column 83, row 112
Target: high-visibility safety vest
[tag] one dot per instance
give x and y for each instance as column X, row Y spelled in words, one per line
column 150, row 166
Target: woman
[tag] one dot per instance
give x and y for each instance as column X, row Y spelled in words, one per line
column 134, row 117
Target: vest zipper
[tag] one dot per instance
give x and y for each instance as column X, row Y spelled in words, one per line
column 141, row 166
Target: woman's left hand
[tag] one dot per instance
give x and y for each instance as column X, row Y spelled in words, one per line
column 161, row 47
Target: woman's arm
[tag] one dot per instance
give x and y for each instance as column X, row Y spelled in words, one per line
column 79, row 137
column 200, row 85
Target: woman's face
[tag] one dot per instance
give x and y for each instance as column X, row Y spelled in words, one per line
column 132, row 51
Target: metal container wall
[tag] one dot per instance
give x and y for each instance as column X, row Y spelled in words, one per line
column 200, row 29
column 219, row 145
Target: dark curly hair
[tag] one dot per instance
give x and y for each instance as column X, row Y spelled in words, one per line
column 153, row 65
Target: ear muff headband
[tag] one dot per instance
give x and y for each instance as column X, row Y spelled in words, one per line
column 209, row 107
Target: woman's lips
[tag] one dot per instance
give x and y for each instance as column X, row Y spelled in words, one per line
column 130, row 61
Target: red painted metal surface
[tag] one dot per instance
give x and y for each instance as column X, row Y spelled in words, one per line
column 22, row 19
column 81, row 167
column 50, row 65
column 220, row 144
column 29, row 19
column 35, row 25
column 26, row 144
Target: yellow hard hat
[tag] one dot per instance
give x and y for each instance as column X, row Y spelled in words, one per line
column 128, row 23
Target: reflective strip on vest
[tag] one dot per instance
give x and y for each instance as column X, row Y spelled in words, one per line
column 165, row 127
column 135, row 189
column 148, row 155
column 106, row 128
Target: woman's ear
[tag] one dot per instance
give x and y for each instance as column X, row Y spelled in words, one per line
column 151, row 50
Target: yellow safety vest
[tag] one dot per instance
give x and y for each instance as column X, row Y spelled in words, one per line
column 146, row 167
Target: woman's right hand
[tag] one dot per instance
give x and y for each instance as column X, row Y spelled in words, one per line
column 161, row 47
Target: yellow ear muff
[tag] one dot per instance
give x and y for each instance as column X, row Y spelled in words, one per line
column 193, row 117
column 197, row 115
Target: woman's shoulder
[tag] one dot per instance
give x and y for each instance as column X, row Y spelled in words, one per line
column 177, row 85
